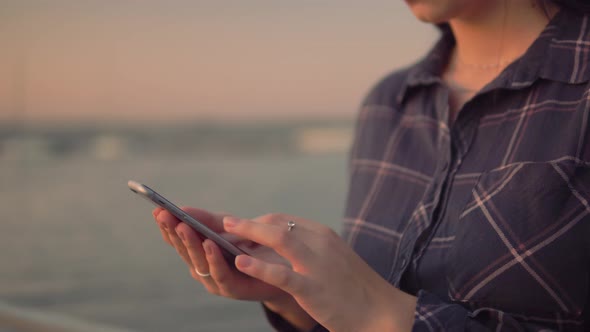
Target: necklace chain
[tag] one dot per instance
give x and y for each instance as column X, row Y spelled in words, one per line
column 499, row 62
column 482, row 66
column 462, row 89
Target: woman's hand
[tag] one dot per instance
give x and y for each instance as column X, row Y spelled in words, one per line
column 326, row 277
column 206, row 258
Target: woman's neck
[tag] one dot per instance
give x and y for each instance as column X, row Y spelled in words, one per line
column 487, row 40
column 500, row 32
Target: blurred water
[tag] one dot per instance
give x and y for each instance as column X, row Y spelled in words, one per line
column 75, row 240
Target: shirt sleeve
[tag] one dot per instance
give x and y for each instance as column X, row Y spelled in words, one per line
column 281, row 325
column 434, row 314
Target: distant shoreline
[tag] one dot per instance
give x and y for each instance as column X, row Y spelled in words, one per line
column 109, row 142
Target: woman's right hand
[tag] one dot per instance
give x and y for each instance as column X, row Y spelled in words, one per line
column 205, row 256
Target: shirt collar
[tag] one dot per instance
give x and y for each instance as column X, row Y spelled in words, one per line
column 561, row 53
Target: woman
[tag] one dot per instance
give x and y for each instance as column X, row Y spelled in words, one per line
column 469, row 203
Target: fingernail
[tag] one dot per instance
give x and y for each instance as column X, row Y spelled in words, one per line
column 181, row 235
column 165, row 227
column 244, row 261
column 207, row 248
column 230, row 222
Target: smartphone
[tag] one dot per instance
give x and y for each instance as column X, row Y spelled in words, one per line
column 229, row 250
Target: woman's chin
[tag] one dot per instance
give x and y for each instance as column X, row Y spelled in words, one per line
column 434, row 11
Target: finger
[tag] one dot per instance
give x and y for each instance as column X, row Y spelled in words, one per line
column 277, row 275
column 284, row 219
column 207, row 282
column 194, row 247
column 290, row 245
column 219, row 269
column 180, row 248
column 166, row 218
column 156, row 211
column 162, row 227
column 169, row 223
column 164, row 233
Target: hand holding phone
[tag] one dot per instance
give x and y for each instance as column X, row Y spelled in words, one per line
column 229, row 250
column 222, row 280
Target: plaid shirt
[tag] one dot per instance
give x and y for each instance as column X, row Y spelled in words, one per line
column 486, row 222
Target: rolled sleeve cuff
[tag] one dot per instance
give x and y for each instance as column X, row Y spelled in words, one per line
column 433, row 314
column 281, row 325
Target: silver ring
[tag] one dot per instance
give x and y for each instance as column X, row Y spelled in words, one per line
column 202, row 274
column 290, row 224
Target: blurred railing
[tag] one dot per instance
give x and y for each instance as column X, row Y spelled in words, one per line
column 18, row 319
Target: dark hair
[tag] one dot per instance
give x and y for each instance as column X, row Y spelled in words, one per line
column 577, row 5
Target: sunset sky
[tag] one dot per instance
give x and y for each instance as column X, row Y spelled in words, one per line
column 193, row 60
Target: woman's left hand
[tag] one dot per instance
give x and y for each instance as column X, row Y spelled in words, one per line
column 327, row 278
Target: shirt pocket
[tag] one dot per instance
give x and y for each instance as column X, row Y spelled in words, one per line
column 521, row 243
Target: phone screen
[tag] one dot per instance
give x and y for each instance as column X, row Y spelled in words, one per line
column 230, row 251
